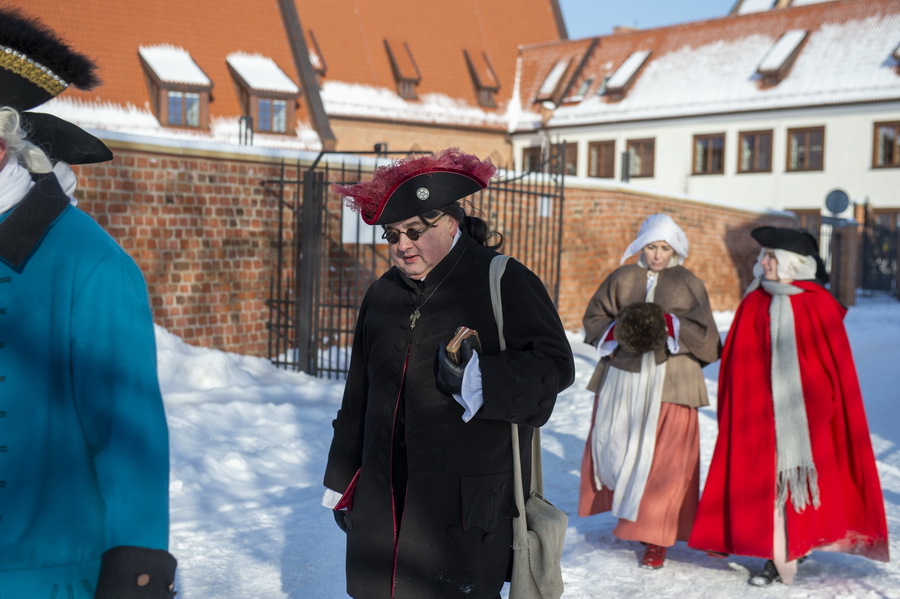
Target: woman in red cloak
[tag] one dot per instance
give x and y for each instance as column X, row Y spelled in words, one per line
column 793, row 469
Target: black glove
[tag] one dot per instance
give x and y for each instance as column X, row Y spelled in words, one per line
column 450, row 375
column 342, row 517
column 136, row 573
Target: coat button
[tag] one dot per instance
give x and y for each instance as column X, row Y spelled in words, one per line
column 336, row 424
column 489, row 538
column 400, row 345
column 143, row 580
column 535, row 422
column 546, row 404
column 391, row 388
column 381, row 479
column 404, row 322
column 453, row 531
column 550, row 379
column 386, row 410
column 382, row 457
column 385, row 435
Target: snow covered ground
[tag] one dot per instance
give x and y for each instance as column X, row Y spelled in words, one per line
column 249, row 444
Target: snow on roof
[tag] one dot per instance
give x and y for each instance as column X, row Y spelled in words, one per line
column 775, row 58
column 626, row 71
column 552, row 80
column 131, row 120
column 364, row 101
column 842, row 62
column 173, row 64
column 261, row 73
column 749, row 6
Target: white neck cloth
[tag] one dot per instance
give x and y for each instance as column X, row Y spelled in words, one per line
column 15, row 181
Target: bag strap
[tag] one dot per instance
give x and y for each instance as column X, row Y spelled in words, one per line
column 520, row 527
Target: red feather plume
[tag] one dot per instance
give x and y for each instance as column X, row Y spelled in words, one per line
column 367, row 197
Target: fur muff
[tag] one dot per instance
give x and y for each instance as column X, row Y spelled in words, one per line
column 641, row 327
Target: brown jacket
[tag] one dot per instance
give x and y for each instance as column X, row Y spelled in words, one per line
column 678, row 292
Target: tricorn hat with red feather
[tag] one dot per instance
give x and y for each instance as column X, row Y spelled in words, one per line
column 417, row 184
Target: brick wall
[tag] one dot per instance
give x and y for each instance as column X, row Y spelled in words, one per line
column 204, row 233
column 600, row 221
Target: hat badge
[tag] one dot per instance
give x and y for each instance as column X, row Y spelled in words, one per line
column 422, row 193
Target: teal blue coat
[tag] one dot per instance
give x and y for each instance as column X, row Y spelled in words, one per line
column 84, row 461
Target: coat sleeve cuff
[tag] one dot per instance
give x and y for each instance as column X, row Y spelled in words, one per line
column 136, row 573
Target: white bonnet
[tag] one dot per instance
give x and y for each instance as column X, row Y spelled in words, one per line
column 659, row 227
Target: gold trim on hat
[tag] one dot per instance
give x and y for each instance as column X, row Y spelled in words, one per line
column 37, row 74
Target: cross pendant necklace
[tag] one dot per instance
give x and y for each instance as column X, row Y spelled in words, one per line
column 415, row 316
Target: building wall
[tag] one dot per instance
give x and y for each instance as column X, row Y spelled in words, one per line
column 849, row 134
column 363, row 135
column 601, row 219
column 204, row 232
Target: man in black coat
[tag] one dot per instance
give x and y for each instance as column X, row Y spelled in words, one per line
column 420, row 467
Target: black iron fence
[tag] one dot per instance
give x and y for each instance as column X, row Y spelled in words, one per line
column 327, row 257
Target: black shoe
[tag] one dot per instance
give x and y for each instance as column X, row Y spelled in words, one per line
column 768, row 575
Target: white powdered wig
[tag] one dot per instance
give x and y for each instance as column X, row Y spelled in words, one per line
column 659, row 227
column 791, row 265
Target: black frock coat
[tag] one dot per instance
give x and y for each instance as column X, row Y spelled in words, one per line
column 405, row 442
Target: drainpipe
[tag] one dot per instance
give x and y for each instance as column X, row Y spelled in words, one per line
column 307, row 74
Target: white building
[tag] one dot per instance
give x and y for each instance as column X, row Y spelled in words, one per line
column 772, row 106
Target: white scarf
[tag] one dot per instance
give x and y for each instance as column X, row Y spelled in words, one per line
column 15, row 181
column 624, row 434
column 796, row 470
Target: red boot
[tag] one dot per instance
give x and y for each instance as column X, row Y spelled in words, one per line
column 654, row 557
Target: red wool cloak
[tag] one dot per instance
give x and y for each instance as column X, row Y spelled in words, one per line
column 736, row 510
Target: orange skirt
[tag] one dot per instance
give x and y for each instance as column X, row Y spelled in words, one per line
column 669, row 503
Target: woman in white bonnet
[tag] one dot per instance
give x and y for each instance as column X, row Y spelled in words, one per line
column 653, row 326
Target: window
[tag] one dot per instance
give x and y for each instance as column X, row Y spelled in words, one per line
column 179, row 89
column 777, row 62
column 755, row 152
column 640, row 152
column 565, row 158
column 531, row 160
column 602, row 159
column 709, row 154
column 272, row 115
column 617, row 84
column 184, row 109
column 268, row 97
column 404, row 67
column 552, row 82
column 887, row 145
column 483, row 78
column 806, row 149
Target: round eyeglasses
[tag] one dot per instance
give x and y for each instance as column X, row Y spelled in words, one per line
column 393, row 235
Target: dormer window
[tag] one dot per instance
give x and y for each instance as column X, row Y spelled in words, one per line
column 582, row 90
column 619, row 82
column 267, row 95
column 750, row 6
column 483, row 77
column 777, row 62
column 179, row 89
column 552, row 82
column 403, row 65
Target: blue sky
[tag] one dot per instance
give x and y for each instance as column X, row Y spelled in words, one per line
column 586, row 18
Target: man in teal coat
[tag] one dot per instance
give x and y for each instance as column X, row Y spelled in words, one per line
column 83, row 440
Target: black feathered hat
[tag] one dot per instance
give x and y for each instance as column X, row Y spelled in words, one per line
column 792, row 240
column 35, row 64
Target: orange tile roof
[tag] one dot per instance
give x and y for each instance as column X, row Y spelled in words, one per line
column 350, row 34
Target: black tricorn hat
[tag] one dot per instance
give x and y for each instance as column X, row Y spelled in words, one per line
column 35, row 64
column 61, row 140
column 417, row 184
column 792, row 240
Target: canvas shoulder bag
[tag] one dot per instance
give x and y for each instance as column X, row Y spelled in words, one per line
column 540, row 530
